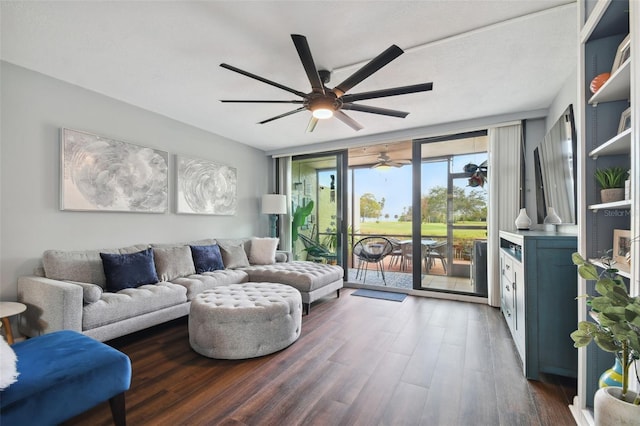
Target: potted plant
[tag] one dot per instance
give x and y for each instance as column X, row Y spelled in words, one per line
column 617, row 330
column 611, row 181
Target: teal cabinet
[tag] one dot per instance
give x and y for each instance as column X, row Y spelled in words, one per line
column 538, row 283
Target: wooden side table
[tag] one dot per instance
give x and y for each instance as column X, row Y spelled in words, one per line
column 9, row 309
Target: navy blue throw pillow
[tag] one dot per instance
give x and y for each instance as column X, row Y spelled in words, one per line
column 129, row 270
column 207, row 258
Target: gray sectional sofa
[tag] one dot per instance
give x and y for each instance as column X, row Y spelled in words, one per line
column 72, row 291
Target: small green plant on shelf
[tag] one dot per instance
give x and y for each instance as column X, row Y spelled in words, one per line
column 617, row 315
column 612, row 177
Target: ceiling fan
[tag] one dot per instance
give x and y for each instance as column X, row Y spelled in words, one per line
column 324, row 102
column 384, row 160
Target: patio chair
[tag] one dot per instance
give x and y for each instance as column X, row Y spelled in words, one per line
column 437, row 251
column 316, row 251
column 372, row 250
column 396, row 253
column 407, row 255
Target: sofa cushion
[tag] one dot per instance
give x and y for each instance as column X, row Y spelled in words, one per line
column 129, row 270
column 91, row 293
column 173, row 262
column 207, row 258
column 132, row 302
column 305, row 276
column 196, row 284
column 263, row 251
column 82, row 266
column 234, row 256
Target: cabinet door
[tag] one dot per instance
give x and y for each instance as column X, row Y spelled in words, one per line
column 518, row 286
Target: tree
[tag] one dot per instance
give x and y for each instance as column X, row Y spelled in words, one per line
column 471, row 206
column 434, row 205
column 370, row 207
column 407, row 212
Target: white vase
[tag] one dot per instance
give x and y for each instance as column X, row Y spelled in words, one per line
column 609, row 409
column 523, row 221
column 552, row 217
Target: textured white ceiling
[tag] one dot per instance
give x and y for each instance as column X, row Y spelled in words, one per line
column 485, row 58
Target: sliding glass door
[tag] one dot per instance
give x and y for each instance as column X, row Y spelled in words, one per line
column 453, row 203
column 317, row 198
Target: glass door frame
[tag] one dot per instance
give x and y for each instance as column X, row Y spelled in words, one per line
column 342, row 162
column 416, row 162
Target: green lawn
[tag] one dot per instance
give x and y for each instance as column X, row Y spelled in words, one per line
column 428, row 229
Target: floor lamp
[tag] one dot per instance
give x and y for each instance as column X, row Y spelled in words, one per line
column 274, row 205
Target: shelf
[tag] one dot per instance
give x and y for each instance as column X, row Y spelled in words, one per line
column 624, row 204
column 608, row 17
column 623, row 270
column 617, row 88
column 619, row 144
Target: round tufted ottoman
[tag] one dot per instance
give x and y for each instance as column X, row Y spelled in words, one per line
column 245, row 320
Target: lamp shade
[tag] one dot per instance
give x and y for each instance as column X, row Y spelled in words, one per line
column 274, row 204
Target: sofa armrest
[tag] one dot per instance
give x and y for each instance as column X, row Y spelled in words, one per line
column 51, row 305
column 283, row 256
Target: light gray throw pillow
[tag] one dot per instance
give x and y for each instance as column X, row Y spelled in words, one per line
column 173, row 262
column 234, row 256
column 263, row 251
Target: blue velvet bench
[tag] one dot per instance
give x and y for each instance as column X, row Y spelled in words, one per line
column 63, row 374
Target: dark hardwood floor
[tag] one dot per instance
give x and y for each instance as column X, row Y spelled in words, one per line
column 359, row 361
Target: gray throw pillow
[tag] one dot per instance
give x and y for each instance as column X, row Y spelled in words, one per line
column 173, row 262
column 234, row 256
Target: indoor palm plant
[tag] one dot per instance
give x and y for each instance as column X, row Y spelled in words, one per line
column 611, row 181
column 617, row 330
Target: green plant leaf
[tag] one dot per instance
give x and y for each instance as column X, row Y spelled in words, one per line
column 577, row 259
column 605, row 342
column 299, row 216
column 612, row 313
column 581, row 338
column 632, row 313
column 588, row 271
column 600, row 304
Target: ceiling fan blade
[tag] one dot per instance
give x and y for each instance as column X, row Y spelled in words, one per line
column 395, row 91
column 375, row 110
column 264, row 80
column 372, row 66
column 283, row 115
column 312, row 124
column 304, row 52
column 258, row 101
column 347, row 120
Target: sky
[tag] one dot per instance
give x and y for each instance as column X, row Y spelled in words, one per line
column 394, row 184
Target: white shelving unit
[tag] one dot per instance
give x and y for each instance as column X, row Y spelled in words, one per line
column 603, row 25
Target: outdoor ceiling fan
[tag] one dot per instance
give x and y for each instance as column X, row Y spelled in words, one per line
column 384, row 160
column 324, row 102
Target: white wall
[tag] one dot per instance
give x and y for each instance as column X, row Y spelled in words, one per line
column 33, row 109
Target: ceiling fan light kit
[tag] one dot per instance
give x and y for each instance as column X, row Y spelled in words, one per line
column 324, row 103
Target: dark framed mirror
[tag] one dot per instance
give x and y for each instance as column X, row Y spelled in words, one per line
column 555, row 170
